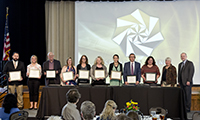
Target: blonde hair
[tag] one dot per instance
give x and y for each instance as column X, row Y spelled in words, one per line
column 32, row 57
column 72, row 65
column 102, row 62
column 108, row 110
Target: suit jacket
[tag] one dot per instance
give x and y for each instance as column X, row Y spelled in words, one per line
column 127, row 71
column 186, row 74
column 57, row 67
column 9, row 67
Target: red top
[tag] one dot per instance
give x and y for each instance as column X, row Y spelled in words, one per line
column 146, row 69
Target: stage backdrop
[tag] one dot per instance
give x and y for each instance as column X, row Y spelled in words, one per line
column 160, row 29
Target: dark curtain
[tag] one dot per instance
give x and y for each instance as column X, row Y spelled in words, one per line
column 26, row 29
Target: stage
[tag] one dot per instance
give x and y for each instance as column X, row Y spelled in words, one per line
column 54, row 98
column 195, row 105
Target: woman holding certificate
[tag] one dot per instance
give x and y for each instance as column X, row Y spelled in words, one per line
column 83, row 69
column 34, row 73
column 150, row 71
column 115, row 72
column 98, row 72
column 68, row 73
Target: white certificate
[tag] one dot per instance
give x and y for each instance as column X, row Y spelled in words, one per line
column 68, row 76
column 131, row 79
column 14, row 76
column 150, row 76
column 116, row 75
column 50, row 74
column 99, row 74
column 83, row 74
column 34, row 73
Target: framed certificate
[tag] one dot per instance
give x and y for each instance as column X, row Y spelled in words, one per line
column 68, row 76
column 131, row 79
column 83, row 74
column 50, row 74
column 34, row 73
column 150, row 76
column 116, row 75
column 15, row 75
column 99, row 73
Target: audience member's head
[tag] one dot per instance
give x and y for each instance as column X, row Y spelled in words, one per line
column 133, row 115
column 88, row 110
column 73, row 96
column 109, row 110
column 123, row 116
column 9, row 102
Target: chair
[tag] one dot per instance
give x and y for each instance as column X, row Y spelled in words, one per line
column 20, row 115
column 196, row 116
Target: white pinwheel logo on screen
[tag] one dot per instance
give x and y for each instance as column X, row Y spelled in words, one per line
column 138, row 33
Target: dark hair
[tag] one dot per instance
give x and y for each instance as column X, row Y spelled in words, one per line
column 10, row 101
column 146, row 62
column 88, row 110
column 132, row 115
column 73, row 95
column 116, row 55
column 123, row 116
column 132, row 54
column 15, row 53
column 80, row 62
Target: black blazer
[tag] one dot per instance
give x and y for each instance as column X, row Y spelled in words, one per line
column 57, row 67
column 111, row 66
column 79, row 67
column 187, row 73
column 9, row 66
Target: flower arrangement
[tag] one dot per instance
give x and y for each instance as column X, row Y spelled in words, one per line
column 130, row 105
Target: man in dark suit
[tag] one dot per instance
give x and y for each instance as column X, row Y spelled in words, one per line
column 52, row 64
column 15, row 65
column 185, row 76
column 132, row 68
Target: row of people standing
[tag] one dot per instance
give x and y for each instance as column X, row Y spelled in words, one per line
column 186, row 71
column 131, row 68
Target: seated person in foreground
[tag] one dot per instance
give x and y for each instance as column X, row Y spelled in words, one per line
column 133, row 115
column 123, row 116
column 88, row 110
column 9, row 106
column 69, row 111
column 108, row 112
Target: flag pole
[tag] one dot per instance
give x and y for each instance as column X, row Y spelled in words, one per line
column 7, row 8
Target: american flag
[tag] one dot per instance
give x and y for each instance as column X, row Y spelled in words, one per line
column 6, row 48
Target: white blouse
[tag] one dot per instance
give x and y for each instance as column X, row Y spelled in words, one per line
column 34, row 67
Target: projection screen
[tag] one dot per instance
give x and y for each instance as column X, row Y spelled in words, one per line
column 159, row 29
